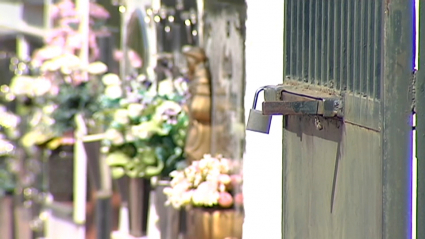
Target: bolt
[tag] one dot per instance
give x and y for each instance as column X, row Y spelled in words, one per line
column 317, row 123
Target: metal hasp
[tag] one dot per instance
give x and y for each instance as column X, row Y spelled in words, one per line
column 282, row 101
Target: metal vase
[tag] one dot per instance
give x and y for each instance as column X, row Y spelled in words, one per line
column 163, row 222
column 138, row 205
column 214, row 223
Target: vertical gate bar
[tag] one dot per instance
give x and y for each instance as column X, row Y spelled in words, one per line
column 420, row 128
column 337, row 41
column 293, row 34
column 396, row 114
column 325, row 40
column 311, row 42
column 302, row 39
column 330, row 42
column 350, row 50
column 318, row 37
column 363, row 52
column 288, row 40
column 356, row 43
column 343, row 54
column 370, row 42
column 305, row 39
column 362, row 49
column 378, row 49
column 299, row 38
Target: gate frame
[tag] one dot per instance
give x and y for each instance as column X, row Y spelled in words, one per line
column 420, row 127
column 395, row 117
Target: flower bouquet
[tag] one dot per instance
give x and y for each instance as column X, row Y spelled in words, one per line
column 146, row 131
column 54, row 85
column 210, row 191
column 208, row 183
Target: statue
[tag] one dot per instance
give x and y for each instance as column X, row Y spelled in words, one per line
column 198, row 141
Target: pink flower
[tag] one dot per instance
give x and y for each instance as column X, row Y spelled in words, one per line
column 54, row 12
column 239, row 199
column 66, row 8
column 53, row 34
column 74, row 41
column 97, row 11
column 134, row 58
column 225, row 199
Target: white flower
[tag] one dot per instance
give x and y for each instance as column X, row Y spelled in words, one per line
column 121, row 117
column 97, row 68
column 70, row 61
column 139, row 131
column 178, row 194
column 206, row 194
column 168, row 105
column 135, row 110
column 50, row 65
column 8, row 120
column 114, row 136
column 21, row 85
column 49, row 109
column 113, row 91
column 165, row 87
column 41, row 86
column 111, row 79
column 45, row 53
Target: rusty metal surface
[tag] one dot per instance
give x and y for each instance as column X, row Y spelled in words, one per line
column 290, row 108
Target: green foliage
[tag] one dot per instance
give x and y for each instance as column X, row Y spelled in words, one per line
column 72, row 100
column 146, row 133
column 7, row 182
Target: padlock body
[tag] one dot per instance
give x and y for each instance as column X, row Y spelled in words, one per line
column 258, row 122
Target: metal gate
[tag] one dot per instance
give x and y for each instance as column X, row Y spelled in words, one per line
column 349, row 177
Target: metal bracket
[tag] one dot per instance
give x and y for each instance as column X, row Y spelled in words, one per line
column 282, row 101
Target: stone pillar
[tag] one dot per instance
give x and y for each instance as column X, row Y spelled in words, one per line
column 223, row 40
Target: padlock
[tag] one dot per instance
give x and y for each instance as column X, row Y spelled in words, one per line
column 258, row 122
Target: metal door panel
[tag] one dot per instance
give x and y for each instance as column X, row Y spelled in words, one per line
column 353, row 178
column 332, row 180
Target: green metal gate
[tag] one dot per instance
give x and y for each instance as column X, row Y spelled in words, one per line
column 350, row 177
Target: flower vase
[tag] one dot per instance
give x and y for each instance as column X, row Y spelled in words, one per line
column 124, row 218
column 212, row 223
column 6, row 215
column 163, row 221
column 138, row 206
column 61, row 172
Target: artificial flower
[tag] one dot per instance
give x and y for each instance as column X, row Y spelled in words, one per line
column 113, row 91
column 111, row 79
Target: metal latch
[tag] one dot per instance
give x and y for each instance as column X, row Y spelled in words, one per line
column 284, row 100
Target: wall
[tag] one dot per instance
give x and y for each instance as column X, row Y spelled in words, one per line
column 263, row 155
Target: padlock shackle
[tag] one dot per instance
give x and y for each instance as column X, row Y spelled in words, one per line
column 254, row 105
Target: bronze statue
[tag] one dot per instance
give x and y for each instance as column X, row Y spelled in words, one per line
column 198, row 141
